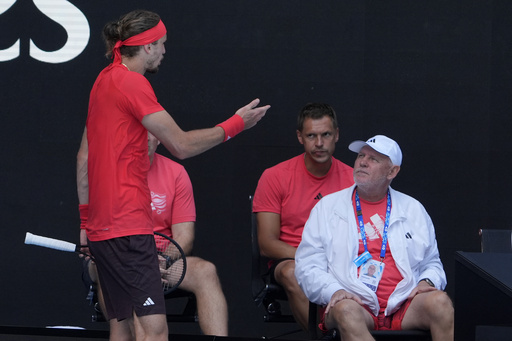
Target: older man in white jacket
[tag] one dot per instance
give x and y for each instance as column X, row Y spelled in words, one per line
column 372, row 225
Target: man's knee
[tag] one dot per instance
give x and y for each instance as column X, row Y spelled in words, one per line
column 344, row 314
column 200, row 273
column 207, row 269
column 440, row 305
column 285, row 274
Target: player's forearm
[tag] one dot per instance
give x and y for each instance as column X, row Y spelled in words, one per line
column 194, row 142
column 186, row 245
column 276, row 249
column 181, row 144
column 82, row 183
column 183, row 234
column 82, row 180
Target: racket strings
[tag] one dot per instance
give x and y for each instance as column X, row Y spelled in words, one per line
column 171, row 263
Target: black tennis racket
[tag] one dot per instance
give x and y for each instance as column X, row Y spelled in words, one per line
column 173, row 263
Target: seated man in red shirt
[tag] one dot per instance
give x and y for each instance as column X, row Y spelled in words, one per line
column 287, row 192
column 174, row 214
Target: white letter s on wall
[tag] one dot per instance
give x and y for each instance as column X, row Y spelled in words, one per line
column 14, row 51
column 74, row 22
column 65, row 14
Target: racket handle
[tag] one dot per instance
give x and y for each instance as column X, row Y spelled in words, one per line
column 49, row 242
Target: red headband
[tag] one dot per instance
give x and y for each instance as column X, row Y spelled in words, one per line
column 143, row 38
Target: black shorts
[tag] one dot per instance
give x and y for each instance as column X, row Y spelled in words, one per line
column 272, row 269
column 129, row 276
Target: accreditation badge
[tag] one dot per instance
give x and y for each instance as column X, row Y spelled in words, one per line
column 363, row 258
column 371, row 273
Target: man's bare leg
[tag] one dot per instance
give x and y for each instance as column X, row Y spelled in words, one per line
column 122, row 330
column 284, row 274
column 151, row 327
column 432, row 311
column 133, row 328
column 351, row 320
column 201, row 278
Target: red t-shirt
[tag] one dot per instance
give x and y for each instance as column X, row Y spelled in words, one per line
column 374, row 217
column 289, row 190
column 118, row 162
column 171, row 194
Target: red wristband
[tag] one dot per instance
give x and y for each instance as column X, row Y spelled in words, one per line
column 84, row 213
column 232, row 126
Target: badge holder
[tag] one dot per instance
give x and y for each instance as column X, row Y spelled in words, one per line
column 371, row 273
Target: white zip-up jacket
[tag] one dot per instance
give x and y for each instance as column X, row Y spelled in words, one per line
column 330, row 242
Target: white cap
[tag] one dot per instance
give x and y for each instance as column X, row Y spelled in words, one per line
column 383, row 145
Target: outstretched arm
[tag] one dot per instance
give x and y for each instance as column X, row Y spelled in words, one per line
column 183, row 144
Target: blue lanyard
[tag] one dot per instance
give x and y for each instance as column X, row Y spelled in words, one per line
column 386, row 225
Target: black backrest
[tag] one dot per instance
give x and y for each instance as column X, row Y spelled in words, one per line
column 257, row 262
column 495, row 240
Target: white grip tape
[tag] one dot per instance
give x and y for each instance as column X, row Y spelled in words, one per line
column 49, row 242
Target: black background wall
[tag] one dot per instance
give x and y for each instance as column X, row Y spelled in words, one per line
column 434, row 75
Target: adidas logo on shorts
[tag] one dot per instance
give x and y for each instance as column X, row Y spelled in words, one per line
column 148, row 302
